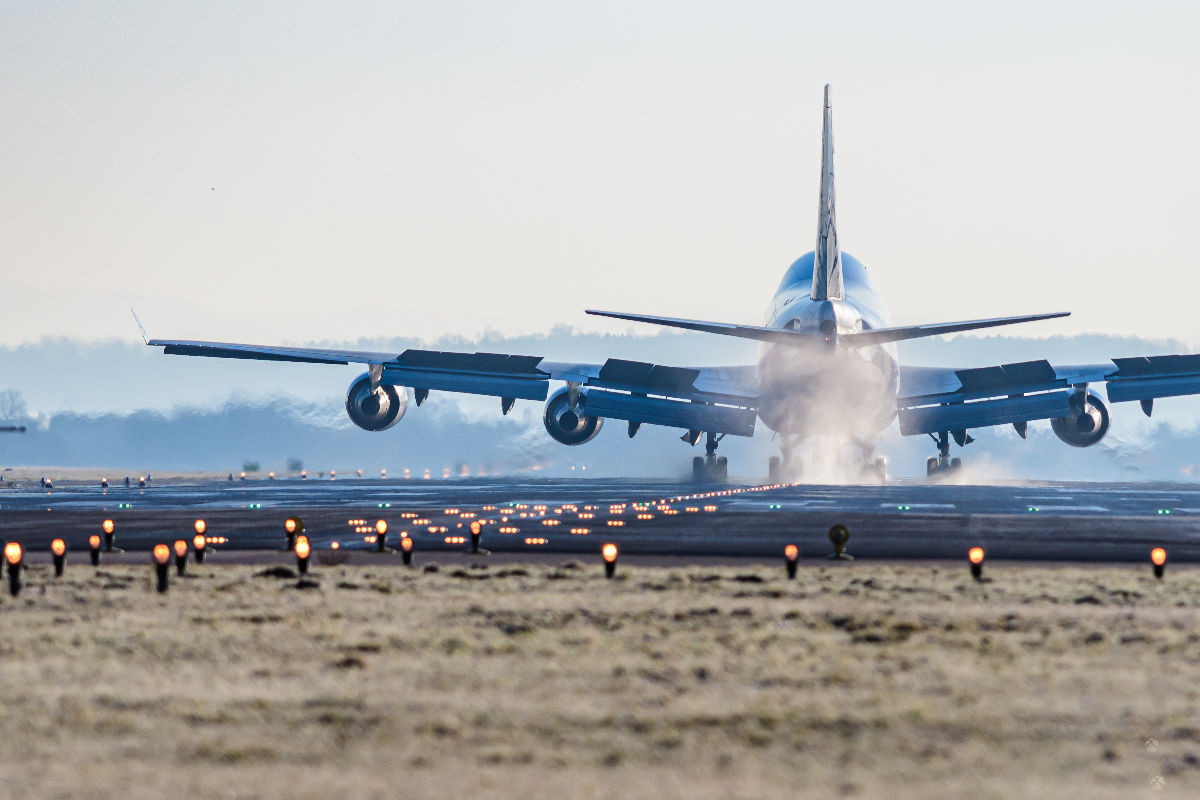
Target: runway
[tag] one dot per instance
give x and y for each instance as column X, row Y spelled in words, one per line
column 908, row 520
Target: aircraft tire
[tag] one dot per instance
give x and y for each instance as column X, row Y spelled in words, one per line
column 773, row 470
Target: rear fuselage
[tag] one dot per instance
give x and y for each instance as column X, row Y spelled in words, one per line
column 826, row 389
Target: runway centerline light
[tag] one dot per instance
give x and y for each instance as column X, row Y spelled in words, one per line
column 303, row 551
column 58, row 549
column 162, row 558
column 791, row 553
column 198, row 544
column 1158, row 558
column 609, row 553
column 975, row 556
column 94, row 546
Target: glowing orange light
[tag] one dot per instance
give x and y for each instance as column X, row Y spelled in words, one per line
column 107, row 525
column 381, row 527
column 1158, row 556
column 406, row 544
column 198, row 541
column 975, row 555
column 791, row 552
column 335, row 546
column 302, row 547
column 94, row 541
column 609, row 552
column 180, row 548
column 475, row 528
column 58, row 547
column 201, row 526
column 161, row 553
column 289, row 525
column 12, row 553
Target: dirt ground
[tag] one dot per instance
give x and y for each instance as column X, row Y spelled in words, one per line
column 854, row 680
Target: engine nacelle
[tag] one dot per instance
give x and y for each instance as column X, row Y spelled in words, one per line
column 568, row 425
column 375, row 410
column 1085, row 428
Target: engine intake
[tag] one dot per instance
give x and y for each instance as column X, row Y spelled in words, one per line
column 1086, row 427
column 375, row 410
column 568, row 425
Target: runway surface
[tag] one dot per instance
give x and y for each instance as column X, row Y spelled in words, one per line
column 908, row 520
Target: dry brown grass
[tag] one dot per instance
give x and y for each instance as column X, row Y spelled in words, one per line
column 867, row 680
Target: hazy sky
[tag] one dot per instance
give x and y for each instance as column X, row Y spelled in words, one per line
column 291, row 172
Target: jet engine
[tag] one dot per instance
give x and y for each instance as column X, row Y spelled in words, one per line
column 569, row 425
column 375, row 410
column 1085, row 428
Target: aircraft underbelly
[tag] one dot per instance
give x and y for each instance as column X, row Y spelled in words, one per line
column 839, row 393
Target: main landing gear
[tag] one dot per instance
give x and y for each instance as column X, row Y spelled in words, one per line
column 709, row 468
column 788, row 468
column 942, row 463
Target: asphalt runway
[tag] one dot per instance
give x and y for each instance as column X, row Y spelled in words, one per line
column 1083, row 522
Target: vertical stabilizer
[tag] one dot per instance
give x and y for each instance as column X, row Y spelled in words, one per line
column 827, row 266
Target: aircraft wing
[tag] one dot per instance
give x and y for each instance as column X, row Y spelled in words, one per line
column 934, row 399
column 717, row 399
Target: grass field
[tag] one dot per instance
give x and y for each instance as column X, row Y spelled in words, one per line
column 546, row 681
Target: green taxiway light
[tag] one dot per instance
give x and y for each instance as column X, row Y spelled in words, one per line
column 1164, row 511
column 775, row 506
column 385, row 505
column 1035, row 508
column 904, row 508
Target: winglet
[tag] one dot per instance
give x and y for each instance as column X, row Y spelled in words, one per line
column 827, row 268
column 145, row 338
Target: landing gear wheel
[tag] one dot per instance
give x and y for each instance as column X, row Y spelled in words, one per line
column 956, row 463
column 773, row 470
column 722, row 470
column 698, row 469
column 931, row 465
column 879, row 469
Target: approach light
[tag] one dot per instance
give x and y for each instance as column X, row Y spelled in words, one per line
column 381, row 527
column 609, row 553
column 839, row 534
column 475, row 530
column 1158, row 557
column 94, row 546
column 198, row 544
column 180, row 556
column 58, row 548
column 303, row 551
column 406, row 550
column 201, row 526
column 975, row 556
column 14, row 554
column 162, row 558
column 791, row 553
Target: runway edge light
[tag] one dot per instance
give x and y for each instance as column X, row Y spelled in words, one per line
column 181, row 550
column 838, row 535
column 58, row 548
column 198, row 544
column 791, row 553
column 14, row 555
column 975, row 556
column 94, row 546
column 303, row 551
column 1158, row 557
column 292, row 527
column 162, row 559
column 406, row 550
column 381, row 528
column 109, row 527
column 609, row 553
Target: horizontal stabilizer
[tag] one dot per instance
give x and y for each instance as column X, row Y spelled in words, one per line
column 865, row 338
column 885, row 335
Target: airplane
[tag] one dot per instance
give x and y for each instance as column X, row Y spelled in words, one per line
column 827, row 367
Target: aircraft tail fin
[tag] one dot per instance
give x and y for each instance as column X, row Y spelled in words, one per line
column 827, row 266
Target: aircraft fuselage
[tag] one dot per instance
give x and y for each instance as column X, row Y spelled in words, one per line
column 825, row 389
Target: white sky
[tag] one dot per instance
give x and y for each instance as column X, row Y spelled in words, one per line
column 292, row 172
